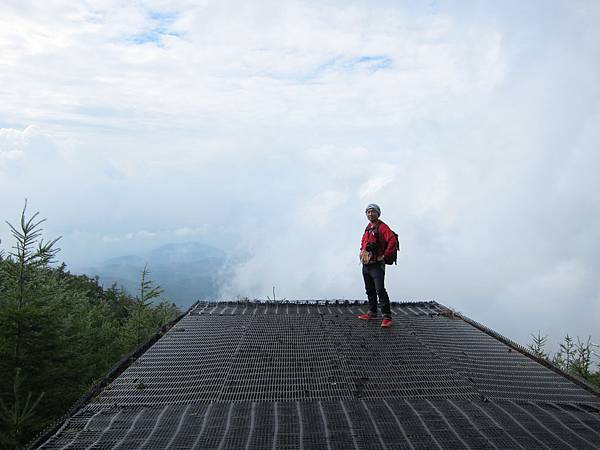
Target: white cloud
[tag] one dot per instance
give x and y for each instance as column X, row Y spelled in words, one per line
column 142, row 234
column 266, row 128
column 192, row 231
column 383, row 174
column 16, row 144
column 321, row 210
column 294, row 59
column 11, row 144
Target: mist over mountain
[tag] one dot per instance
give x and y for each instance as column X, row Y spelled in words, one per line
column 186, row 271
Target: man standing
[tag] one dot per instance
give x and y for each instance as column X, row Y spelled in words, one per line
column 378, row 243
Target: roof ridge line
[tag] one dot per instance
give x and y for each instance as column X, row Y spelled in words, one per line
column 257, row 301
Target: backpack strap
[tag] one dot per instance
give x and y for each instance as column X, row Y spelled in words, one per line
column 375, row 230
column 376, row 234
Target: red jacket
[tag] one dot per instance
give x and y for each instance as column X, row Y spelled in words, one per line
column 386, row 239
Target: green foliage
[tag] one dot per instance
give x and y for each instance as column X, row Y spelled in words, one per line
column 583, row 358
column 565, row 358
column 141, row 322
column 537, row 346
column 59, row 332
column 18, row 415
column 573, row 357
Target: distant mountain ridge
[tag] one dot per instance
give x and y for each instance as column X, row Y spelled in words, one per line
column 186, row 271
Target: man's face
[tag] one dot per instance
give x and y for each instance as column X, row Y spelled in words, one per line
column 372, row 215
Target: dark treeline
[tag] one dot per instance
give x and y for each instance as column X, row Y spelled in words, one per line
column 59, row 332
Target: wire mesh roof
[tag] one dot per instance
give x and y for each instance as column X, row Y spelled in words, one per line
column 302, row 375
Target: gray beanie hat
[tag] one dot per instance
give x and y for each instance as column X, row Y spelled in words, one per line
column 375, row 207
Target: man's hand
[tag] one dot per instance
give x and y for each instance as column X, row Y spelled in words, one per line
column 380, row 258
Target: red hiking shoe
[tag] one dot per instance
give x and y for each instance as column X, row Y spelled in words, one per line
column 367, row 316
column 386, row 322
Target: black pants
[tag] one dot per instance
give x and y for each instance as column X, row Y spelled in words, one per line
column 374, row 275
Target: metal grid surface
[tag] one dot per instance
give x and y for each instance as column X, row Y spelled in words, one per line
column 188, row 364
column 310, row 375
column 283, row 352
column 492, row 368
column 340, row 424
column 277, row 360
column 392, row 363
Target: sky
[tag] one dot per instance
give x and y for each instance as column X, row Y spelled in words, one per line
column 265, row 128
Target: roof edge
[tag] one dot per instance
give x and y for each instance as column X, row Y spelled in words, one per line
column 339, row 301
column 523, row 350
column 116, row 370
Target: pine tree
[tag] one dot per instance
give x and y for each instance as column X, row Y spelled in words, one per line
column 17, row 414
column 583, row 358
column 566, row 354
column 27, row 336
column 538, row 345
column 141, row 323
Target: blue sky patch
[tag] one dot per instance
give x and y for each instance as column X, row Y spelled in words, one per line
column 163, row 17
column 160, row 22
column 371, row 63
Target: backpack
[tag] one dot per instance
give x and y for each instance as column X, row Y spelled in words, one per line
column 394, row 256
